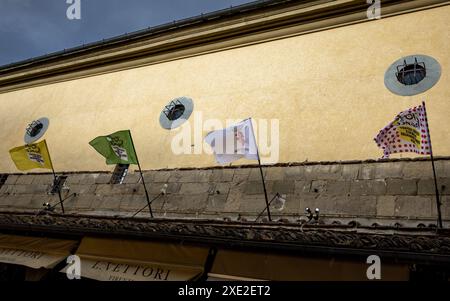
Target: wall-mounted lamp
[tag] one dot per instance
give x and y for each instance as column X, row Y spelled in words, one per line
column 310, row 215
column 316, row 214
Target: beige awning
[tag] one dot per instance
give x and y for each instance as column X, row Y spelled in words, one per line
column 237, row 265
column 34, row 252
column 128, row 260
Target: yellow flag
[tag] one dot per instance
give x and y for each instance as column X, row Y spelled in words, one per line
column 31, row 156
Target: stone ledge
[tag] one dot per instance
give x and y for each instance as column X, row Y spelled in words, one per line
column 398, row 240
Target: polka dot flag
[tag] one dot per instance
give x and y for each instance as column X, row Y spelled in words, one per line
column 407, row 133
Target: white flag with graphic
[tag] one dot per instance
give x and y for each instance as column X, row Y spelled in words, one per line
column 407, row 133
column 234, row 142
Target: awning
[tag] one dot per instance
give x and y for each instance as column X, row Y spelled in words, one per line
column 237, row 265
column 34, row 252
column 128, row 260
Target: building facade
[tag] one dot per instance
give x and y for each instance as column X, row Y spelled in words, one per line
column 318, row 78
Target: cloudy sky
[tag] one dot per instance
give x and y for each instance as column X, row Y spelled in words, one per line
column 30, row 28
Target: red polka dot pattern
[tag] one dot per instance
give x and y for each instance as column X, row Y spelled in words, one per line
column 391, row 141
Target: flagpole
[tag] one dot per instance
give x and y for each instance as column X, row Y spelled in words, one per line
column 438, row 202
column 142, row 177
column 262, row 174
column 54, row 177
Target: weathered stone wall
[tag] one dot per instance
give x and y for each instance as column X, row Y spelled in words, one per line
column 393, row 190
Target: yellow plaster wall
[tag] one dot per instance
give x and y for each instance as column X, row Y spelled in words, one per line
column 326, row 89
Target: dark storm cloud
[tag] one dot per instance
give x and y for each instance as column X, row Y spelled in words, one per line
column 30, row 28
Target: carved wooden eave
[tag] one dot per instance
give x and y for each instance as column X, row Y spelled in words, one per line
column 241, row 26
column 399, row 244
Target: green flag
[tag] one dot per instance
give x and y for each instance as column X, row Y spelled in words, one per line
column 117, row 148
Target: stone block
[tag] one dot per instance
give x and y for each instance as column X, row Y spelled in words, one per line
column 133, row 178
column 103, row 178
column 291, row 205
column 442, row 168
column 22, row 201
column 84, row 202
column 30, row 189
column 222, row 189
column 11, row 180
column 233, row 200
column 69, row 204
column 368, row 187
column 413, row 206
column 302, row 187
column 149, row 176
column 74, row 178
column 426, row 187
column 155, row 188
column 25, row 179
column 323, row 172
column 294, row 173
column 191, row 176
column 326, row 204
column 445, row 207
column 7, row 201
column 357, row 205
column 417, row 170
column 216, row 203
column 350, row 171
column 194, row 202
column 388, row 170
column 241, row 174
column 255, row 173
column 37, row 201
column 275, row 173
column 161, row 176
column 319, row 186
column 6, row 189
column 338, row 187
column 386, row 205
column 169, row 202
column 401, row 187
column 366, row 171
column 203, row 176
column 82, row 189
column 43, row 180
column 283, row 187
column 110, row 203
column 158, row 204
column 444, row 186
column 252, row 204
column 130, row 189
column 135, row 202
column 222, row 175
column 195, row 188
column 88, row 178
column 256, row 187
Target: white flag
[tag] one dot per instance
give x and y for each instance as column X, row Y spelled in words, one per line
column 234, row 142
column 407, row 133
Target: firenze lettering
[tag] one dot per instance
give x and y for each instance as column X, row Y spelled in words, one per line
column 21, row 253
column 131, row 270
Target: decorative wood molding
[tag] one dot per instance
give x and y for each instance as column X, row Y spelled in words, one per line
column 328, row 238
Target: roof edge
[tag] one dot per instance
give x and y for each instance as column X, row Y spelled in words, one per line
column 267, row 21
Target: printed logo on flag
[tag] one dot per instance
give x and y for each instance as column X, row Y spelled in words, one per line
column 230, row 139
column 116, row 145
column 409, row 127
column 407, row 133
column 232, row 143
column 34, row 154
column 241, row 139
